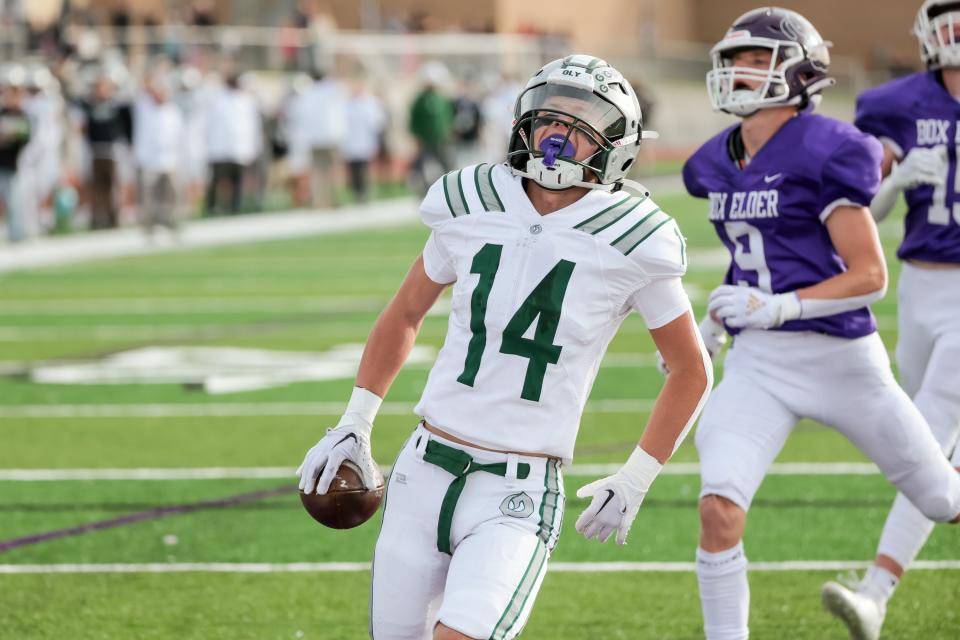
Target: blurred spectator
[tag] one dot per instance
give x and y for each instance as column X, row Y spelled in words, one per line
column 157, row 132
column 497, row 110
column 15, row 133
column 467, row 125
column 285, row 142
column 234, row 141
column 431, row 123
column 193, row 98
column 316, row 125
column 365, row 121
column 106, row 125
column 42, row 160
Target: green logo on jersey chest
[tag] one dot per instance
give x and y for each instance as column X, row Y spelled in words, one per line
column 517, row 505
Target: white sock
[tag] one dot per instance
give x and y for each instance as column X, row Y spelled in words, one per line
column 904, row 533
column 724, row 593
column 878, row 584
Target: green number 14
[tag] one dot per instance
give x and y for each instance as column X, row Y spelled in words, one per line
column 544, row 302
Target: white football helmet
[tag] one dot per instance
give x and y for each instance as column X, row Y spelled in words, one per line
column 586, row 95
column 937, row 27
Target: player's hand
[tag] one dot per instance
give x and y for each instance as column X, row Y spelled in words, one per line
column 751, row 308
column 923, row 165
column 349, row 440
column 617, row 498
column 714, row 336
column 615, row 505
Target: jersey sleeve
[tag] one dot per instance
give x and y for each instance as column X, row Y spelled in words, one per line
column 437, row 262
column 851, row 175
column 663, row 253
column 434, row 210
column 691, row 176
column 873, row 116
column 660, row 302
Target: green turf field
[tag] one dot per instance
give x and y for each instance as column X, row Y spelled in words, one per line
column 313, row 294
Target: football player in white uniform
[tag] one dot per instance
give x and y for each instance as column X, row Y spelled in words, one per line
column 547, row 255
column 789, row 192
column 915, row 117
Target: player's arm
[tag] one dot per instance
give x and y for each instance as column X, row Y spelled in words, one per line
column 855, row 238
column 921, row 166
column 616, row 499
column 396, row 330
column 387, row 348
column 685, row 390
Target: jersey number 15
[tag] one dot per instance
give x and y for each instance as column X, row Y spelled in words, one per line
column 544, row 302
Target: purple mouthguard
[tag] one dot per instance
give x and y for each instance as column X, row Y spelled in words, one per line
column 554, row 146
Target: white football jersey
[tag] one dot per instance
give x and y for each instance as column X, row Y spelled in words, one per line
column 536, row 300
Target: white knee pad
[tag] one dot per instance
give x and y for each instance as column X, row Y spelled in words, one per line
column 934, row 490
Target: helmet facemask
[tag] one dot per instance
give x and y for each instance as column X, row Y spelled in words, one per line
column 938, row 29
column 727, row 85
column 552, row 139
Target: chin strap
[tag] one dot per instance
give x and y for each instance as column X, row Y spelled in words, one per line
column 624, row 183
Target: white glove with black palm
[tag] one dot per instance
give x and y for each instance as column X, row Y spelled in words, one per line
column 349, row 440
column 923, row 165
column 752, row 308
column 617, row 498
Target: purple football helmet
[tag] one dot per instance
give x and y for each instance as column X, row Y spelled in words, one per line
column 798, row 63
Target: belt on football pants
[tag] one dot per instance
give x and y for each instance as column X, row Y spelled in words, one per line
column 459, row 464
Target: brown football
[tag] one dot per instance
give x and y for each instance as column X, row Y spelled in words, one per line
column 346, row 504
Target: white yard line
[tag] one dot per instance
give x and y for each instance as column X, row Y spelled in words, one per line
column 353, row 567
column 252, row 473
column 226, row 409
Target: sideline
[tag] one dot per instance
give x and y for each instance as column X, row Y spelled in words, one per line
column 206, row 232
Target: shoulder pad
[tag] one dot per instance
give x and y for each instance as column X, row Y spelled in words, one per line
column 460, row 193
column 656, row 246
column 434, row 210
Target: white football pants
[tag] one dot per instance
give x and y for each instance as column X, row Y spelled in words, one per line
column 501, row 533
column 928, row 357
column 772, row 379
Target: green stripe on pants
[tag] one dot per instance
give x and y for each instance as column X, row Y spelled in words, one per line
column 522, row 593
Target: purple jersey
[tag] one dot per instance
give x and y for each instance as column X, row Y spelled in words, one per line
column 770, row 215
column 917, row 111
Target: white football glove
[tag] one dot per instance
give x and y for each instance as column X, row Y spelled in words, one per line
column 349, row 440
column 923, row 165
column 617, row 498
column 714, row 336
column 751, row 308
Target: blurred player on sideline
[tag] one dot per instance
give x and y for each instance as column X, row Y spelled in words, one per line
column 916, row 120
column 789, row 192
column 547, row 255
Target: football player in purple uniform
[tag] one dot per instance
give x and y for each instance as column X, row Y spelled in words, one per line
column 916, row 118
column 789, row 193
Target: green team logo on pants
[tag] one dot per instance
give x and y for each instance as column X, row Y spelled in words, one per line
column 517, row 505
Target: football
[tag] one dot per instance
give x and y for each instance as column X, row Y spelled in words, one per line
column 346, row 504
